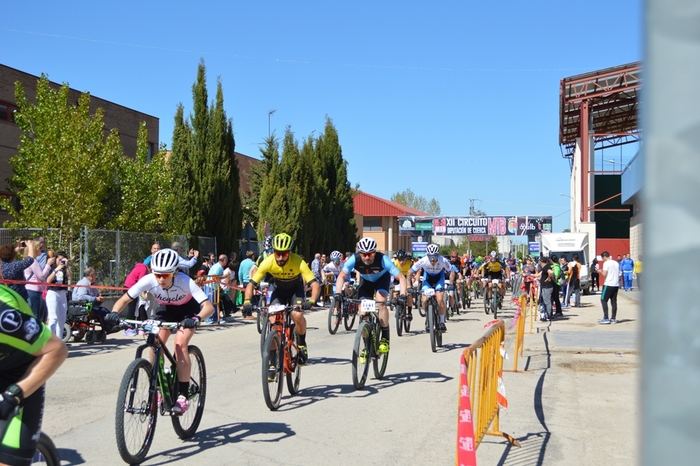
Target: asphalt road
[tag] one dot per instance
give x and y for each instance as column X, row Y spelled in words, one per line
column 409, row 417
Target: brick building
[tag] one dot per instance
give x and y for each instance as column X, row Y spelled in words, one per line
column 124, row 119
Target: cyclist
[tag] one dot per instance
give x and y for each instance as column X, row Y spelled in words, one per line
column 493, row 269
column 375, row 270
column 403, row 263
column 330, row 273
column 435, row 266
column 180, row 300
column 29, row 355
column 290, row 272
column 455, row 276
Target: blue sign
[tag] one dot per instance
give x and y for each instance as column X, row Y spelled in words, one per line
column 533, row 247
column 418, row 248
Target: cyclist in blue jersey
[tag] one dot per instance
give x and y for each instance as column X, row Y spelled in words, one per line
column 376, row 271
column 29, row 355
column 435, row 266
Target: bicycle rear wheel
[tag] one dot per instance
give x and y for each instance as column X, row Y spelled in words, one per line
column 438, row 332
column 263, row 336
column 361, row 354
column 259, row 320
column 431, row 325
column 334, row 316
column 46, row 452
column 406, row 324
column 494, row 303
column 136, row 413
column 349, row 320
column 272, row 364
column 186, row 424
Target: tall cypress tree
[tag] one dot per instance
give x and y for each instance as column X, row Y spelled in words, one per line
column 182, row 218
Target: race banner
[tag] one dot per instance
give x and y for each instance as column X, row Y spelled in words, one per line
column 484, row 225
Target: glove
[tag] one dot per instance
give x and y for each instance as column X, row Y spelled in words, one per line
column 111, row 320
column 10, row 400
column 307, row 305
column 190, row 322
column 401, row 300
column 247, row 308
column 337, row 297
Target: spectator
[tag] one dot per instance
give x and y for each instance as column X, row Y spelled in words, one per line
column 316, row 266
column 83, row 292
column 627, row 267
column 556, row 288
column 244, row 271
column 228, row 289
column 57, row 296
column 216, row 271
column 574, row 281
column 155, row 247
column 564, row 281
column 139, row 271
column 13, row 268
column 36, row 274
column 610, row 273
column 546, row 277
column 638, row 268
column 620, row 282
column 595, row 276
column 185, row 264
column 42, row 253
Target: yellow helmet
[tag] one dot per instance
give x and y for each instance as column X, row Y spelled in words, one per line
column 282, row 242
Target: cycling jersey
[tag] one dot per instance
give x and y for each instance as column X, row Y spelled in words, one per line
column 442, row 265
column 374, row 271
column 182, row 291
column 332, row 268
column 492, row 267
column 286, row 276
column 403, row 268
column 22, row 336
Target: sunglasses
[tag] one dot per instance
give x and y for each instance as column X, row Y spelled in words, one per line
column 281, row 253
column 366, row 254
column 163, row 275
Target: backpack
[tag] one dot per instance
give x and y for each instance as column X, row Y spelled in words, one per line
column 556, row 271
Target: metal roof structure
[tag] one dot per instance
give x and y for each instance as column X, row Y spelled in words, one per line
column 610, row 98
column 369, row 205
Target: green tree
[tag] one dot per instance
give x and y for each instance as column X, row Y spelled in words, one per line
column 416, row 201
column 64, row 166
column 251, row 202
column 146, row 189
column 183, row 217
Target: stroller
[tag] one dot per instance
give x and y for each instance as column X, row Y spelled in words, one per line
column 83, row 323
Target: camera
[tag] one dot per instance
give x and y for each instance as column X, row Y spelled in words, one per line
column 23, row 244
column 64, row 261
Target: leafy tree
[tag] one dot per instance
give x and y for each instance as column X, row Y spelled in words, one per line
column 416, row 201
column 146, row 189
column 183, row 216
column 65, row 165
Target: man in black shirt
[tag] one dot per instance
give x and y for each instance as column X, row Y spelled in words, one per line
column 546, row 277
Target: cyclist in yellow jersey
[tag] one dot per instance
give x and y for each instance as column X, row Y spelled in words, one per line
column 403, row 263
column 493, row 269
column 290, row 272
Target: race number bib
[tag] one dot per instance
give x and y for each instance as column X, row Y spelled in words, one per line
column 429, row 292
column 367, row 306
column 275, row 308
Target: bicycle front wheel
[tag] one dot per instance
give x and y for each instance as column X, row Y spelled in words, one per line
column 293, row 374
column 186, row 424
column 334, row 316
column 272, row 366
column 46, row 452
column 259, row 320
column 379, row 361
column 263, row 335
column 399, row 314
column 360, row 355
column 349, row 320
column 431, row 326
column 137, row 412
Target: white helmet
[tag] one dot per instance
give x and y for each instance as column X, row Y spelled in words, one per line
column 432, row 249
column 493, row 253
column 165, row 261
column 336, row 256
column 366, row 245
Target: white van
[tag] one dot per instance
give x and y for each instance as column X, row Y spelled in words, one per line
column 566, row 245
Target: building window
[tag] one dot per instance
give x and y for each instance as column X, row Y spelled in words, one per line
column 7, row 111
column 372, row 224
column 151, row 151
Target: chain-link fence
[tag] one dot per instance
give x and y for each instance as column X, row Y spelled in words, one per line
column 112, row 253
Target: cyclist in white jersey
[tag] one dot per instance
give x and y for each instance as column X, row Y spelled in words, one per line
column 180, row 300
column 435, row 267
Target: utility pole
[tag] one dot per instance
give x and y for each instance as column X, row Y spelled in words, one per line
column 269, row 116
column 472, row 209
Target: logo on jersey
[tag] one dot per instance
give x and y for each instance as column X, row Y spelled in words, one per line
column 31, row 328
column 10, row 321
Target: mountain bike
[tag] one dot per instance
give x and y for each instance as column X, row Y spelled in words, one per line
column 403, row 323
column 433, row 319
column 451, row 299
column 265, row 293
column 466, row 293
column 495, row 301
column 280, row 356
column 147, row 389
column 366, row 345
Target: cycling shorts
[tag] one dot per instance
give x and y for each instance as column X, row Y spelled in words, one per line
column 493, row 275
column 381, row 285
column 170, row 313
column 289, row 296
column 22, row 431
column 437, row 281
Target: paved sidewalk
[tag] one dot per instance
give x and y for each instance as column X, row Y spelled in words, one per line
column 576, row 402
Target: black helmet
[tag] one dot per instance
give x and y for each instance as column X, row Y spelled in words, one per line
column 401, row 254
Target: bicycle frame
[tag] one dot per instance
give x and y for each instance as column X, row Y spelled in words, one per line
column 282, row 324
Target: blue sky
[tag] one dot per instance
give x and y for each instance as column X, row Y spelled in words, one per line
column 453, row 99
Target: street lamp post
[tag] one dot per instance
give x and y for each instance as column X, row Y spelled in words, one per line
column 269, row 116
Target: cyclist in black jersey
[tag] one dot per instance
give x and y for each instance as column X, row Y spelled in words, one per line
column 29, row 355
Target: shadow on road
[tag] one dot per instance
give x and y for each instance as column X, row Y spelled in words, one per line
column 331, row 361
column 223, row 435
column 113, row 343
column 69, row 457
